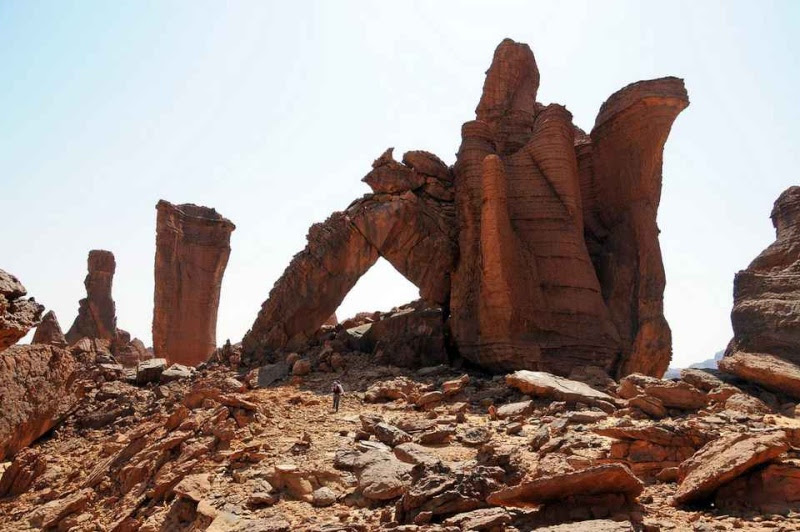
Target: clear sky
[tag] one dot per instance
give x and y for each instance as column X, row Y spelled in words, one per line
column 271, row 112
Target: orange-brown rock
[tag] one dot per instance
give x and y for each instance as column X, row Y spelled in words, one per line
column 766, row 307
column 97, row 313
column 769, row 371
column 192, row 250
column 17, row 314
column 606, row 478
column 766, row 296
column 723, row 460
column 49, row 331
column 540, row 242
column 35, row 393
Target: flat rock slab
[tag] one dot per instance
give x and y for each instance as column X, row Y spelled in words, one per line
column 595, row 525
column 606, row 478
column 767, row 370
column 723, row 460
column 542, row 384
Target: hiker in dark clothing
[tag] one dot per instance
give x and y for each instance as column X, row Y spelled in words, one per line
column 337, row 393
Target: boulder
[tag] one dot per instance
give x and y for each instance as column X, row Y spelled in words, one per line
column 272, row 373
column 541, row 384
column 671, row 394
column 601, row 479
column 775, row 488
column 724, row 459
column 174, row 372
column 17, row 314
column 381, row 476
column 488, row 519
column 150, row 370
column 49, row 331
column 36, row 391
column 769, row 371
column 192, row 250
column 390, row 435
column 410, row 337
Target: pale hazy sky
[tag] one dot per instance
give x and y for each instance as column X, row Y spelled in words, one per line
column 271, row 112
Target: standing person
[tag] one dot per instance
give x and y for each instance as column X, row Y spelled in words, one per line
column 337, row 393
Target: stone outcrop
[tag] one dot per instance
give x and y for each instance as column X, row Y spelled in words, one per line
column 97, row 313
column 540, row 243
column 17, row 314
column 49, row 331
column 35, row 391
column 766, row 307
column 767, row 370
column 723, row 460
column 192, row 250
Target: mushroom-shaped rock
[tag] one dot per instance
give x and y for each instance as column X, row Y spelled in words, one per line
column 17, row 314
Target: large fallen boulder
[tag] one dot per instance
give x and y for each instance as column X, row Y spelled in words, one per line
column 602, row 479
column 541, row 384
column 35, row 393
column 17, row 314
column 723, row 460
column 767, row 370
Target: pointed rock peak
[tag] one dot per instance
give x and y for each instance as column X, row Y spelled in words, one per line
column 49, row 331
column 511, row 82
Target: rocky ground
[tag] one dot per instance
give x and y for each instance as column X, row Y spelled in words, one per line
column 433, row 449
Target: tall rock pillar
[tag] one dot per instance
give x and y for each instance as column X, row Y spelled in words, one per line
column 192, row 250
column 97, row 313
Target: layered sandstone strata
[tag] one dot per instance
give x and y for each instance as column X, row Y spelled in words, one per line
column 192, row 250
column 540, row 243
column 766, row 307
column 18, row 315
column 97, row 313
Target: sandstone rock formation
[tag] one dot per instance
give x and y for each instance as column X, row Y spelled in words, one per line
column 49, row 331
column 35, row 391
column 97, row 313
column 17, row 314
column 766, row 307
column 192, row 250
column 540, row 242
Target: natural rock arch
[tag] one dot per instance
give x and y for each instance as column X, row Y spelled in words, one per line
column 540, row 242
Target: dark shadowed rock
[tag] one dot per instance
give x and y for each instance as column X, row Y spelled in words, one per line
column 17, row 314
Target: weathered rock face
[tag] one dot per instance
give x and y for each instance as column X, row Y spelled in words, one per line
column 49, row 331
column 97, row 313
column 540, row 243
column 192, row 250
column 17, row 314
column 766, row 306
column 35, row 391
